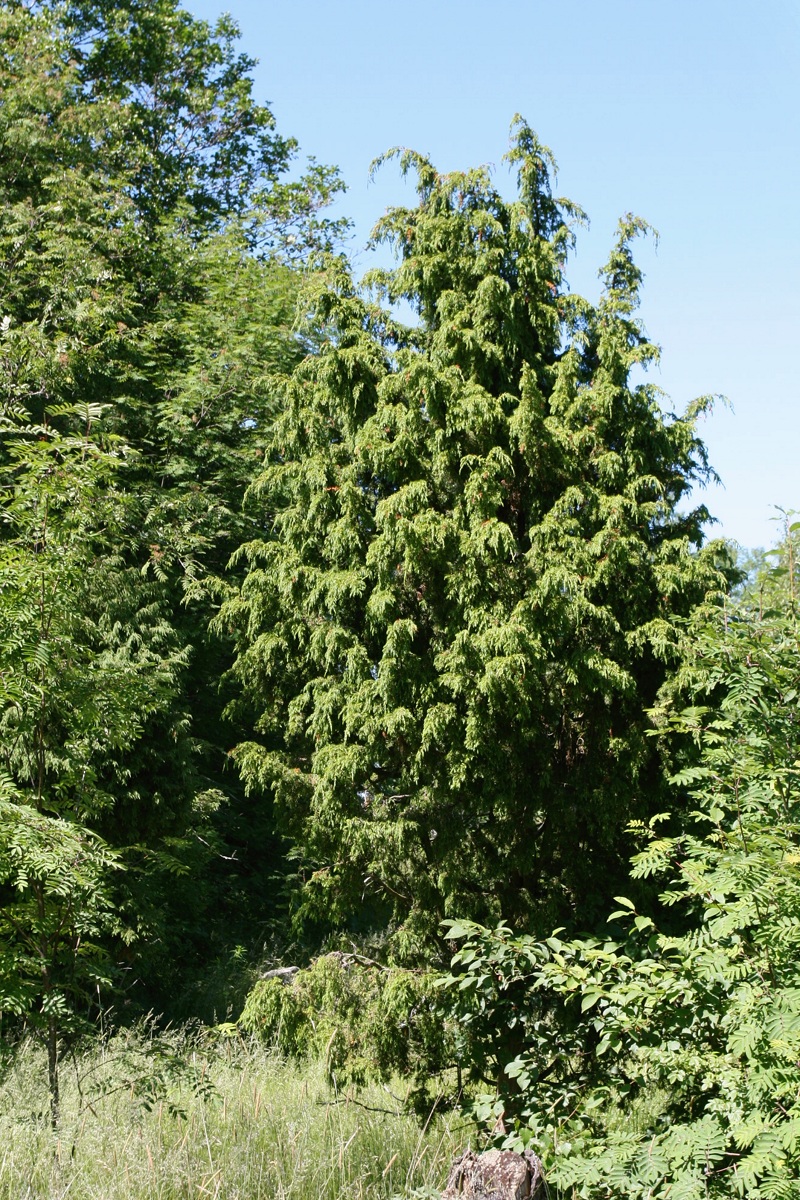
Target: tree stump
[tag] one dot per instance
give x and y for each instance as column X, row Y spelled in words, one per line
column 495, row 1175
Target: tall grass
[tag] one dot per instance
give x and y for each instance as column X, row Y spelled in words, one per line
column 234, row 1122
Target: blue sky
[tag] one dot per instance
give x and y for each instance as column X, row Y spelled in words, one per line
column 686, row 113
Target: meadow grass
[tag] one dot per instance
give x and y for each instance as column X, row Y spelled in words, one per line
column 159, row 1118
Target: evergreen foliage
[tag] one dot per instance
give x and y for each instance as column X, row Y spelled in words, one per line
column 706, row 1019
column 460, row 601
column 472, row 556
column 366, row 1022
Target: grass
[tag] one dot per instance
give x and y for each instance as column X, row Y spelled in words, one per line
column 161, row 1118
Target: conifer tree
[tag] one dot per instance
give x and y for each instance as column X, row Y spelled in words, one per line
column 475, row 542
column 693, row 1006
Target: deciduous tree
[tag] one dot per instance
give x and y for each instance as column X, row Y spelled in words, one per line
column 86, row 662
column 150, row 252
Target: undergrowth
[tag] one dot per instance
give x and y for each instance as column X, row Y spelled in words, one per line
column 164, row 1118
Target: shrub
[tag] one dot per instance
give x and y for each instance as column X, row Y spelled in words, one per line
column 369, row 1023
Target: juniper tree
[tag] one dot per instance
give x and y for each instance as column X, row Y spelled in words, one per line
column 475, row 542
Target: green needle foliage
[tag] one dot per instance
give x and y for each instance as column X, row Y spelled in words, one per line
column 366, row 1022
column 660, row 1064
column 470, row 564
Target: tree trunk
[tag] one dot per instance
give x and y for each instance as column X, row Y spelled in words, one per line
column 52, row 1068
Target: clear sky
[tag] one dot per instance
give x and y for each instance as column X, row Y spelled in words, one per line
column 686, row 112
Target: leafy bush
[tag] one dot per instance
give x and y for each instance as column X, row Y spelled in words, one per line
column 706, row 1017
